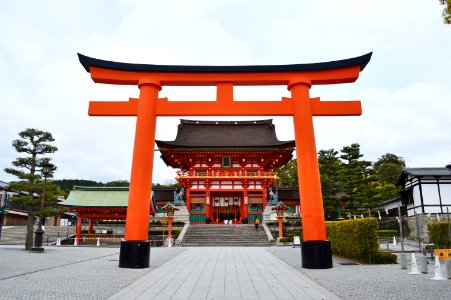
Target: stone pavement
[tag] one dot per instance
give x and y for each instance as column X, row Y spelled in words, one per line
column 204, row 273
column 225, row 273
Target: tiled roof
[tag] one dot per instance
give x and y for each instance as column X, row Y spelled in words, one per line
column 96, row 197
column 108, row 196
column 225, row 134
column 288, row 194
column 428, row 171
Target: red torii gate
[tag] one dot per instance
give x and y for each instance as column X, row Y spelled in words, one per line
column 135, row 249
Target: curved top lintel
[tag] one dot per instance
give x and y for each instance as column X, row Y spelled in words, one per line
column 89, row 62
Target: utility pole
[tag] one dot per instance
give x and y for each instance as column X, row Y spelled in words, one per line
column 403, row 255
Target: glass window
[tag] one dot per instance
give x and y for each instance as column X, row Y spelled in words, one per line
column 226, row 162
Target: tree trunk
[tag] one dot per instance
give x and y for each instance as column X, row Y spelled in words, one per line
column 29, row 236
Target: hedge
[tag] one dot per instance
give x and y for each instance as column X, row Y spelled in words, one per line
column 439, row 234
column 291, row 235
column 357, row 239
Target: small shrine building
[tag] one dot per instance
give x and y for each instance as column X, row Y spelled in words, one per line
column 226, row 167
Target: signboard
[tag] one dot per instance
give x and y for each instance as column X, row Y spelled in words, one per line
column 443, row 253
column 296, row 241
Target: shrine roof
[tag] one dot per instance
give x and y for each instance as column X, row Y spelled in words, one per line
column 89, row 62
column 288, row 193
column 111, row 197
column 97, row 197
column 232, row 135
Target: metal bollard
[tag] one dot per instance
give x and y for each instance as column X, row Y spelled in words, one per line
column 387, row 245
column 402, row 256
column 424, row 265
column 448, row 268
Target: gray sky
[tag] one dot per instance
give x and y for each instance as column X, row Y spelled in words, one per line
column 405, row 90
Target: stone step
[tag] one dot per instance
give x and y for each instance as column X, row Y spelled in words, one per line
column 224, row 235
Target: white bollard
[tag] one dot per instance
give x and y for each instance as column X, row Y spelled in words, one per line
column 169, row 242
column 58, row 242
column 98, row 242
column 75, row 242
column 438, row 273
column 414, row 270
column 394, row 241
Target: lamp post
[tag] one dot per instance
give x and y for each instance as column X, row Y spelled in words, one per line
column 169, row 209
column 39, row 233
column 280, row 209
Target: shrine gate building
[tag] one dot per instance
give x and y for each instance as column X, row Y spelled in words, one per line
column 226, row 167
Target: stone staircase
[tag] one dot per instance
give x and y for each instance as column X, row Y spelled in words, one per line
column 224, row 235
column 15, row 235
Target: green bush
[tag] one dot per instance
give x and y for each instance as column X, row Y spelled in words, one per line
column 286, row 240
column 384, row 258
column 294, row 233
column 387, row 233
column 354, row 239
column 439, row 234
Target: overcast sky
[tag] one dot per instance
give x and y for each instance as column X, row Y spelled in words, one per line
column 405, row 89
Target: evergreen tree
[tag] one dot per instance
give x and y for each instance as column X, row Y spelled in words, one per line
column 355, row 172
column 446, row 14
column 288, row 174
column 35, row 145
column 330, row 167
column 388, row 168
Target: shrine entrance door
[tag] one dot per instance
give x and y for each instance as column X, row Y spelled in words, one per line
column 226, row 207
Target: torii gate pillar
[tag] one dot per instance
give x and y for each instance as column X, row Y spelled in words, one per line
column 135, row 249
column 316, row 249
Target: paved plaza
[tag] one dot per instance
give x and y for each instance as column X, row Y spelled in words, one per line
column 204, row 273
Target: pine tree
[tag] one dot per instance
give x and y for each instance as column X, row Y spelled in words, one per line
column 330, row 167
column 356, row 172
column 35, row 145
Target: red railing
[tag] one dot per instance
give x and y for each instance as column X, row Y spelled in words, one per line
column 223, row 173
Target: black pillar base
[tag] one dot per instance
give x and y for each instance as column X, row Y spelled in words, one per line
column 134, row 254
column 316, row 255
column 37, row 249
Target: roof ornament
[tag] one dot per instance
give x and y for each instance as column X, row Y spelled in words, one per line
column 273, row 198
column 178, row 197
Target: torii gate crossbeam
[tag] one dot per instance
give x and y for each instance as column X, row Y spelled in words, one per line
column 316, row 250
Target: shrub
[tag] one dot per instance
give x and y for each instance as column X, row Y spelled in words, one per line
column 295, row 233
column 355, row 239
column 286, row 240
column 384, row 258
column 439, row 234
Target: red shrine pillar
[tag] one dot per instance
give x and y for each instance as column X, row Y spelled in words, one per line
column 188, row 199
column 208, row 205
column 265, row 196
column 135, row 249
column 90, row 226
column 316, row 249
column 245, row 204
column 78, row 229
